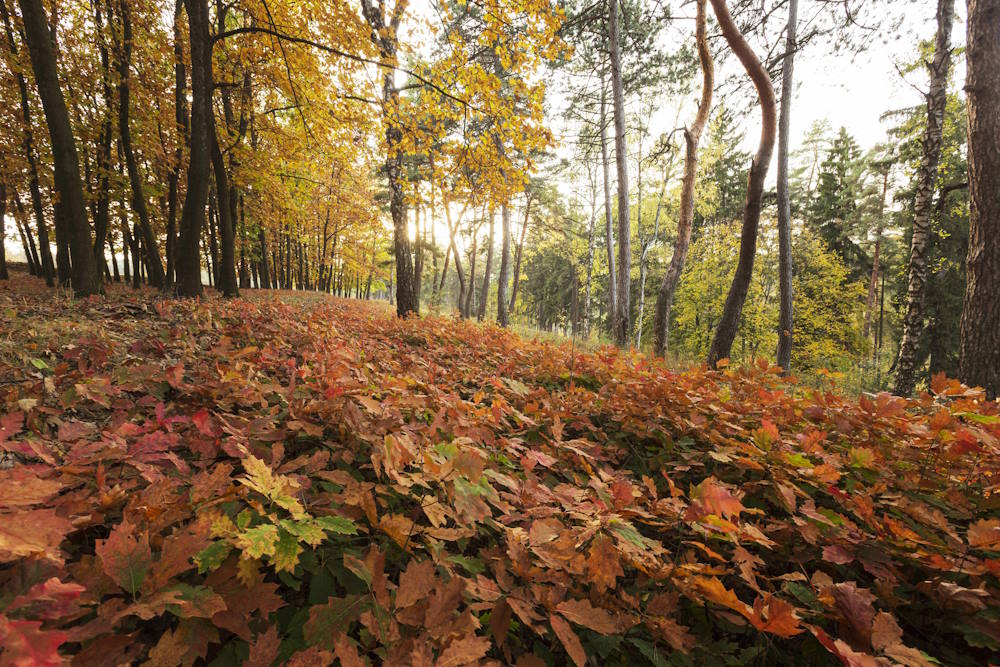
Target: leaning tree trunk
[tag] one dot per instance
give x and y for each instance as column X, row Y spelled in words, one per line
column 692, row 136
column 725, row 332
column 784, row 353
column 622, row 316
column 916, row 284
column 66, row 164
column 154, row 269
column 188, row 260
column 979, row 347
column 503, row 312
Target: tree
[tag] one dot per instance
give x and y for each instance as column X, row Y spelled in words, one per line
column 45, row 263
column 783, row 355
column 69, row 185
column 384, row 34
column 833, row 208
column 151, row 255
column 692, row 137
column 913, row 321
column 193, row 212
column 623, row 315
column 729, row 321
column 980, row 328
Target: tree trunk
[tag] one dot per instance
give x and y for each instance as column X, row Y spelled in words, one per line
column 213, row 243
column 876, row 257
column 188, row 260
column 418, row 251
column 226, row 275
column 590, row 259
column 784, row 352
column 692, row 137
column 3, row 248
column 181, row 118
column 470, row 291
column 913, row 320
column 725, row 332
column 503, row 312
column 154, row 269
column 623, row 315
column 24, row 229
column 484, row 294
column 980, row 329
column 102, row 214
column 647, row 245
column 45, row 265
column 69, row 186
column 519, row 254
column 608, row 221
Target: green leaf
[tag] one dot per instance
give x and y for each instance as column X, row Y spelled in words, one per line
column 473, row 566
column 259, row 541
column 213, row 556
column 286, row 552
column 337, row 524
column 799, row 461
column 40, row 364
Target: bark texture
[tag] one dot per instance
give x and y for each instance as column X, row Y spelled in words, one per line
column 188, row 249
column 692, row 136
column 622, row 317
column 66, row 165
column 786, row 297
column 722, row 342
column 979, row 362
column 917, row 272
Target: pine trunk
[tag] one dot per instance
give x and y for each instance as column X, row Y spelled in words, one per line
column 980, row 330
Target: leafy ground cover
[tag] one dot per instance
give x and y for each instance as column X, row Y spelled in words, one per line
column 294, row 479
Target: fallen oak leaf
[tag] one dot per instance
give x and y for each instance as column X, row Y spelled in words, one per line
column 569, row 640
column 583, row 613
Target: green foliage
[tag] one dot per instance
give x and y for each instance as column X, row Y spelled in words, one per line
column 827, row 304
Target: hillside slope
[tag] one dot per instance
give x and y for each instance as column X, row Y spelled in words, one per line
column 295, row 479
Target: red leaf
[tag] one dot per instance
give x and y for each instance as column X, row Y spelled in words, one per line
column 25, row 644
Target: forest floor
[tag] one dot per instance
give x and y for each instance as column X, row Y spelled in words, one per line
column 290, row 478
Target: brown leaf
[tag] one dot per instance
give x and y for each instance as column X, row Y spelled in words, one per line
column 463, row 651
column 985, row 534
column 583, row 613
column 603, row 568
column 856, row 606
column 264, row 649
column 885, row 631
column 569, row 640
column 415, row 583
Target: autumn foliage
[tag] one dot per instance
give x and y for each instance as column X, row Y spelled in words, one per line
column 301, row 480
